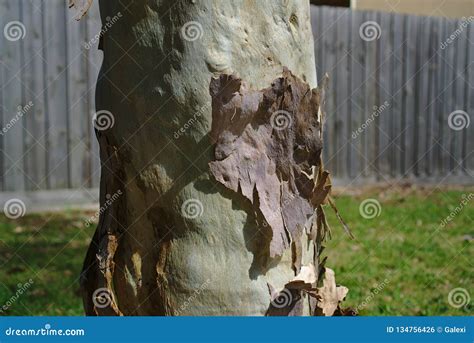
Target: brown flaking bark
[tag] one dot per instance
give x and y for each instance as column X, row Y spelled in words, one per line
column 98, row 268
column 268, row 140
column 268, row 148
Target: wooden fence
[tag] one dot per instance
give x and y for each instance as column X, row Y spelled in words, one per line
column 47, row 97
column 415, row 82
column 401, row 91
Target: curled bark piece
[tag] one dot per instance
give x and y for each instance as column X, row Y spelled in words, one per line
column 329, row 295
column 305, row 279
column 289, row 300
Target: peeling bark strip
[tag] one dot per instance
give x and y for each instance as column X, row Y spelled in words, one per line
column 268, row 148
column 268, row 145
column 98, row 269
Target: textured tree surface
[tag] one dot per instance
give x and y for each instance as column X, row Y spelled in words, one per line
column 221, row 183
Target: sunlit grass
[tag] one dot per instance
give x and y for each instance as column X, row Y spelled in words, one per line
column 404, row 253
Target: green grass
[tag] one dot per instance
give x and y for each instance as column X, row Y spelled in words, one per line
column 404, row 244
column 49, row 249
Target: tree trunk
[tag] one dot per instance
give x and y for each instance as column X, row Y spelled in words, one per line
column 182, row 231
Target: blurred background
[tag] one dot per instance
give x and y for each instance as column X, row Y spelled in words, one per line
column 398, row 142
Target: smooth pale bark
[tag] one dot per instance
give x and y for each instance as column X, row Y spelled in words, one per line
column 152, row 259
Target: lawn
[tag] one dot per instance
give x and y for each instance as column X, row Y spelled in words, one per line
column 402, row 262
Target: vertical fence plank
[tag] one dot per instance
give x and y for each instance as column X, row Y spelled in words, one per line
column 375, row 126
column 465, row 151
column 383, row 115
column 431, row 124
column 332, row 66
column 461, row 46
column 402, row 94
column 57, row 79
column 441, row 93
column 3, row 95
column 342, row 80
column 409, row 95
column 371, row 90
column 357, row 97
column 422, row 94
column 78, row 111
column 449, row 63
column 469, row 140
column 13, row 120
column 396, row 99
column 346, row 135
column 33, row 78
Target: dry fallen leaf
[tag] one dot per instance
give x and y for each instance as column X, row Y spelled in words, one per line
column 305, row 279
